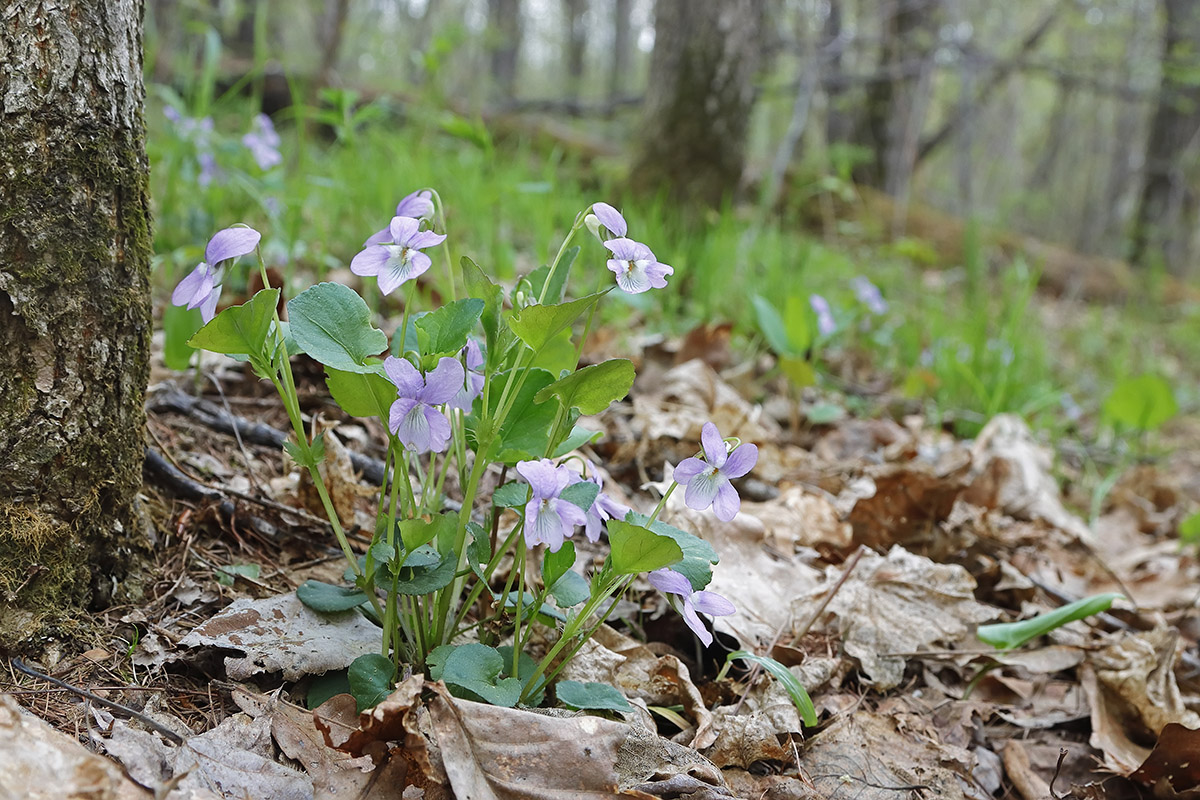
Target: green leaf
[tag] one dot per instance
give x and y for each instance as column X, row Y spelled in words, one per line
column 799, row 330
column 445, row 331
column 591, row 696
column 581, row 494
column 772, row 326
column 240, row 330
column 333, row 325
column 698, row 555
column 179, row 324
column 577, row 439
column 227, row 575
column 527, row 667
column 545, row 613
column 637, row 549
column 513, row 494
column 370, row 678
column 328, row 598
column 570, row 590
column 416, row 532
column 361, row 394
column 1007, row 635
column 423, row 580
column 592, row 389
column 326, row 685
column 779, row 672
column 479, row 551
column 476, row 668
column 800, row 372
column 1143, row 403
column 536, row 325
column 479, row 285
column 558, row 355
column 1189, row 529
column 555, row 565
column 526, row 430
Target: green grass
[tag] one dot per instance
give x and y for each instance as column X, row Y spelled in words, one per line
column 968, row 344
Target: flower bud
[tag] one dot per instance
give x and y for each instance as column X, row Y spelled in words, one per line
column 593, row 224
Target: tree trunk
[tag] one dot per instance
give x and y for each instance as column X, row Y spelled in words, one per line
column 618, row 68
column 575, row 44
column 1166, row 219
column 504, row 45
column 693, row 139
column 75, row 249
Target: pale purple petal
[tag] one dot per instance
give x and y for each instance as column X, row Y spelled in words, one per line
column 610, row 218
column 569, row 513
column 370, row 261
column 208, row 309
column 591, row 528
column 624, row 249
column 399, row 411
column 670, row 581
column 231, row 243
column 402, row 265
column 422, row 239
column 379, row 237
column 688, row 469
column 611, row 509
column 543, row 525
column 443, row 382
column 474, row 354
column 693, row 622
column 726, row 503
column 702, row 489
column 406, row 377
column 713, row 603
column 195, row 288
column 464, row 399
column 439, row 429
column 657, row 274
column 713, row 444
column 418, row 205
column 741, row 460
column 630, row 279
column 544, row 478
column 402, row 229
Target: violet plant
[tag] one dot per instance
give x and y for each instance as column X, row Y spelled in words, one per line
column 475, row 388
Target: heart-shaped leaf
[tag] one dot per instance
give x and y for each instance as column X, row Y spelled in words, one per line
column 637, row 549
column 333, row 325
column 592, row 389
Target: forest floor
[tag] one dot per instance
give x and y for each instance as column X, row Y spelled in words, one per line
column 866, row 553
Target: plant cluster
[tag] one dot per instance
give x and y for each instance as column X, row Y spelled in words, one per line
column 484, row 384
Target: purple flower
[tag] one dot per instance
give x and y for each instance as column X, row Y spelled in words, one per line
column 636, row 268
column 418, row 205
column 603, row 507
column 399, row 259
column 869, row 295
column 671, row 582
column 201, row 287
column 610, row 218
column 417, row 424
column 549, row 519
column 708, row 480
column 208, row 169
column 825, row 323
column 263, row 142
column 473, row 385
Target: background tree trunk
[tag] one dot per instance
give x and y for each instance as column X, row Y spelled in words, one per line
column 75, row 248
column 575, row 45
column 1166, row 219
column 504, row 45
column 693, row 139
column 618, row 69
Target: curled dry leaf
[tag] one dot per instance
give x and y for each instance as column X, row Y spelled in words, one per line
column 894, row 606
column 281, row 634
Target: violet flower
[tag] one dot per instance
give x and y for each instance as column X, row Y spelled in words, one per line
column 418, row 205
column 549, row 519
column 825, row 323
column 635, row 266
column 201, row 288
column 671, row 582
column 603, row 507
column 263, row 143
column 708, row 480
column 400, row 259
column 473, row 385
column 413, row 419
column 869, row 295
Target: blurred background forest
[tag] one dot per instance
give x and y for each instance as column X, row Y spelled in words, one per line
column 955, row 153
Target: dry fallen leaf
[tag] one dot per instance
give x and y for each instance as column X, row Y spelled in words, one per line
column 40, row 763
column 894, row 606
column 281, row 634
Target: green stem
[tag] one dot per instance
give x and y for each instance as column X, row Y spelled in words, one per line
column 558, row 257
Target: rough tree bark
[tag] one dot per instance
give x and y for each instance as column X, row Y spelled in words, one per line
column 1167, row 214
column 697, row 109
column 75, row 249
